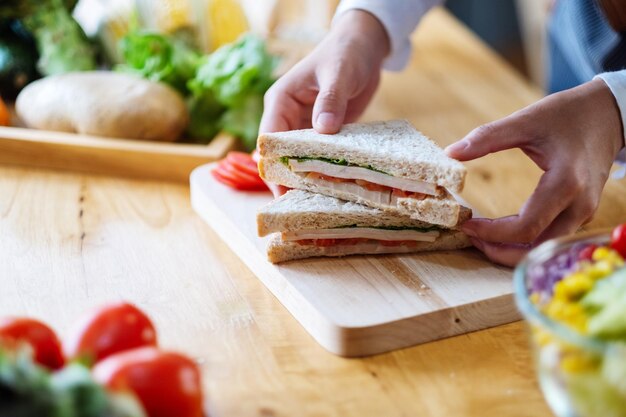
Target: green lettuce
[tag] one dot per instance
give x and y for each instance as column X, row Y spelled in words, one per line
column 342, row 162
column 237, row 75
column 157, row 57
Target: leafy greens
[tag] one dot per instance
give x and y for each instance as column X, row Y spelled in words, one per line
column 224, row 90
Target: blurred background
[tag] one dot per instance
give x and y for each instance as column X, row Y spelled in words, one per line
column 196, row 48
column 514, row 28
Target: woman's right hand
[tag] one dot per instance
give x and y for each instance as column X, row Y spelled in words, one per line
column 334, row 83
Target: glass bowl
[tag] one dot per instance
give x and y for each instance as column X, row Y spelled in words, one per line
column 580, row 376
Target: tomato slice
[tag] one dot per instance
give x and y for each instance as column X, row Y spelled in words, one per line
column 228, row 175
column 243, row 176
column 243, row 162
column 167, row 384
column 110, row 329
column 41, row 338
column 317, row 175
column 226, row 179
column 372, row 186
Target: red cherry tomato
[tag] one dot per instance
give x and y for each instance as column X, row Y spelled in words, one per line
column 618, row 239
column 111, row 329
column 44, row 342
column 167, row 384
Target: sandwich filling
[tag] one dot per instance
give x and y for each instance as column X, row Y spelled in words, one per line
column 369, row 233
column 363, row 236
column 370, row 245
column 366, row 182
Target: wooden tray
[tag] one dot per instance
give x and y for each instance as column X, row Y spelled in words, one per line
column 363, row 305
column 131, row 158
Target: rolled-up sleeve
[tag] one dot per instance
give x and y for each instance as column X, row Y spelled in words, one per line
column 616, row 81
column 399, row 17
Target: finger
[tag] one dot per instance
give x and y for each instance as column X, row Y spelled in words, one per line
column 503, row 254
column 329, row 110
column 281, row 112
column 493, row 137
column 358, row 104
column 569, row 221
column 554, row 193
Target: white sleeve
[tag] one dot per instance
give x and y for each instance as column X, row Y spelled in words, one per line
column 616, row 81
column 399, row 17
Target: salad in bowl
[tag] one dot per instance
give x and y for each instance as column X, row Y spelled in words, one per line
column 572, row 291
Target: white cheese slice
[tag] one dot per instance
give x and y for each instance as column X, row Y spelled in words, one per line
column 358, row 173
column 380, row 197
column 361, row 233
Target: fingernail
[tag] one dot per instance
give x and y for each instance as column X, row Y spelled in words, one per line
column 326, row 120
column 456, row 147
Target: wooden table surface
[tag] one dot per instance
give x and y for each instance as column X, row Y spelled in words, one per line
column 69, row 242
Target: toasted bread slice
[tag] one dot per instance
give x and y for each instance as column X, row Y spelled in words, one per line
column 281, row 251
column 303, row 210
column 394, row 147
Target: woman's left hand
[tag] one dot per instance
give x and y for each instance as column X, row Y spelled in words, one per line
column 574, row 137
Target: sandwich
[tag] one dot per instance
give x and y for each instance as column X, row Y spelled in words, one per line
column 385, row 165
column 307, row 225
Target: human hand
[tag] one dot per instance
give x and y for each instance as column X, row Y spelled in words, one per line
column 574, row 137
column 334, row 83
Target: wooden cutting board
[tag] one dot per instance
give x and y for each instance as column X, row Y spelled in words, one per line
column 363, row 305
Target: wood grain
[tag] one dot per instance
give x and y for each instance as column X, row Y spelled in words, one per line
column 364, row 305
column 97, row 155
column 69, row 242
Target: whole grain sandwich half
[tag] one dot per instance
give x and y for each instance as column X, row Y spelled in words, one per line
column 386, row 165
column 307, row 225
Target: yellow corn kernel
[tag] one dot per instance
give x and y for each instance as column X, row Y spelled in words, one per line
column 599, row 270
column 568, row 313
column 573, row 287
column 600, row 253
column 578, row 362
column 604, row 253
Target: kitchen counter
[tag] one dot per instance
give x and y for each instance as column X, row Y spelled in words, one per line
column 69, row 242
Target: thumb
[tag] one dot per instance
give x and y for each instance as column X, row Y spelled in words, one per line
column 486, row 139
column 329, row 110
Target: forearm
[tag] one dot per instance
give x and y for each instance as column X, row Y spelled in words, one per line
column 399, row 19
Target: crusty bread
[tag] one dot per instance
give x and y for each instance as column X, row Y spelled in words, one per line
column 443, row 210
column 281, row 251
column 394, row 147
column 302, row 210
